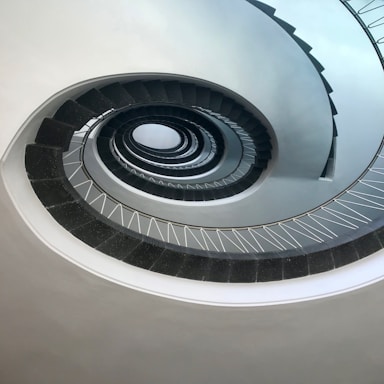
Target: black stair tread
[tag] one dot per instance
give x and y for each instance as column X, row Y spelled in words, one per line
column 119, row 246
column 220, row 193
column 255, row 127
column 294, row 267
column 303, row 45
column 103, row 144
column 43, row 162
column 171, row 112
column 121, row 172
column 261, row 163
column 259, row 136
column 178, row 113
column 203, row 195
column 55, row 133
column 244, row 118
column 154, row 189
column 131, row 115
column 174, row 114
column 74, row 114
column 194, row 267
column 334, row 128
column 94, row 233
column 189, row 195
column 107, row 131
column 189, row 94
column 173, row 193
column 138, row 91
column 107, row 157
column 109, row 160
column 71, row 215
column 95, row 101
column 333, row 107
column 254, row 173
column 270, row 270
column 203, row 95
column 230, row 190
column 321, row 261
column 226, row 106
column 155, row 111
column 367, row 244
column 219, row 270
column 139, row 182
column 144, row 255
column 238, row 188
column 235, row 112
column 331, row 154
column 117, row 94
column 344, row 254
column 173, row 92
column 116, row 122
column 124, row 174
column 244, row 183
column 264, row 154
column 111, row 163
column 208, row 194
column 287, row 27
column 244, row 271
column 157, row 91
column 53, row 192
column 316, row 64
column 263, row 145
column 169, row 263
column 379, row 233
column 263, row 7
column 326, row 84
column 215, row 102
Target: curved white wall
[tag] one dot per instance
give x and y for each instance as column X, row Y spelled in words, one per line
column 61, row 324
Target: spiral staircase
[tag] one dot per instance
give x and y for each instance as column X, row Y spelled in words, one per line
column 195, row 195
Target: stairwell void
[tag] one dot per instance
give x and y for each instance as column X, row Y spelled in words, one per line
column 127, row 197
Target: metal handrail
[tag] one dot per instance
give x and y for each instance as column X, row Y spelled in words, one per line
column 375, row 39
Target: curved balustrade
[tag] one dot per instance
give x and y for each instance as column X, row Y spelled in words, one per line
column 341, row 230
column 371, row 18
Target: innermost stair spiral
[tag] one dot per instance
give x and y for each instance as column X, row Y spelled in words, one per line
column 156, row 136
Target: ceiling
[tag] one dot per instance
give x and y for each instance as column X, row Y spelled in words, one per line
column 60, row 323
